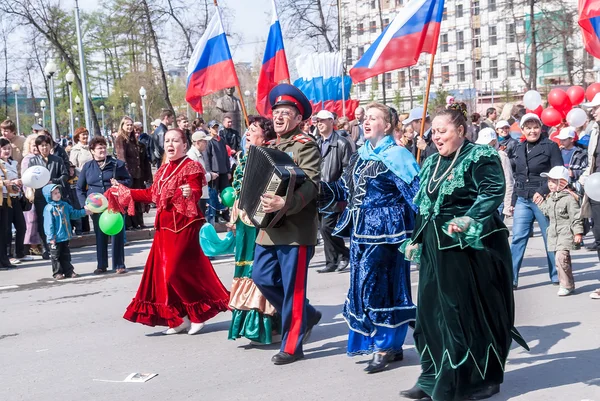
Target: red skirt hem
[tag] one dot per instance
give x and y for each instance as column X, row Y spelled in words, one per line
column 153, row 314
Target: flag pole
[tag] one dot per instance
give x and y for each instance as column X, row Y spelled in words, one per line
column 425, row 103
column 243, row 104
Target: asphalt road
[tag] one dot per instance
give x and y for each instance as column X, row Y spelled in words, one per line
column 67, row 341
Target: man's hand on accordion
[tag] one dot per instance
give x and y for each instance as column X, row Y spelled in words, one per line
column 272, row 203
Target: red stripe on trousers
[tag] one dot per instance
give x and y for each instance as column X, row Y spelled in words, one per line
column 298, row 302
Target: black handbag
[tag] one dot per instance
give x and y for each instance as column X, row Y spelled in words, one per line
column 26, row 205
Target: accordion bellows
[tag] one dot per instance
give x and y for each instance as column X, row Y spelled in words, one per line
column 268, row 171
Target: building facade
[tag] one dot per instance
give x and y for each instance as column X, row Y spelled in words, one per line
column 484, row 51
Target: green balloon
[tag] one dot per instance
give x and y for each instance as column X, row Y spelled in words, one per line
column 228, row 197
column 111, row 223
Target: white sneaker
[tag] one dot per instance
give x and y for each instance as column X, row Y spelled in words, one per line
column 15, row 261
column 179, row 329
column 563, row 292
column 26, row 258
column 195, row 328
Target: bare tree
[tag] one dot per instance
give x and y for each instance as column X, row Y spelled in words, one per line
column 314, row 20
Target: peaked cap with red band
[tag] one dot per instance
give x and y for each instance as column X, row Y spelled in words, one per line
column 289, row 95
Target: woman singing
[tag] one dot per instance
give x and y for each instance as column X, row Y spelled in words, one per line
column 380, row 183
column 179, row 287
column 252, row 315
column 466, row 312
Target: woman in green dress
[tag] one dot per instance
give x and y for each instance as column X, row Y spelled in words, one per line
column 465, row 311
column 253, row 316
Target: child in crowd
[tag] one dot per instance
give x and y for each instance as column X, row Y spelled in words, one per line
column 74, row 200
column 565, row 231
column 57, row 226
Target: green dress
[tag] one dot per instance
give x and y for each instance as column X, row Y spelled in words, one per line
column 253, row 316
column 465, row 311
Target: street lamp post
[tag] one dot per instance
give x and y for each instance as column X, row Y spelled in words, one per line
column 132, row 110
column 43, row 107
column 16, row 88
column 77, row 101
column 143, row 97
column 83, row 71
column 102, row 112
column 70, row 77
column 50, row 70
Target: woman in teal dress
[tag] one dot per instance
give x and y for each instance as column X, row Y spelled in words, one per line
column 465, row 312
column 253, row 316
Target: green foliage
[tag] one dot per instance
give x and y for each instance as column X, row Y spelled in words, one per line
column 439, row 103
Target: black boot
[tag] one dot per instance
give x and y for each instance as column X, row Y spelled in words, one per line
column 415, row 393
column 485, row 393
column 379, row 362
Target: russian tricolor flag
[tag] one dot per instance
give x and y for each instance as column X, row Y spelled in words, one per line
column 415, row 30
column 589, row 21
column 274, row 68
column 211, row 67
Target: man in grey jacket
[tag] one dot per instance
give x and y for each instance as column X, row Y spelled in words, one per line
column 166, row 119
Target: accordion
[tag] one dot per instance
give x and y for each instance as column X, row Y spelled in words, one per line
column 268, row 171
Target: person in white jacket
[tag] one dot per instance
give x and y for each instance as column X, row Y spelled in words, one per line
column 487, row 136
column 199, row 142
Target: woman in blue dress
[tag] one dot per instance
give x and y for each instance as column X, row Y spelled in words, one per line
column 380, row 183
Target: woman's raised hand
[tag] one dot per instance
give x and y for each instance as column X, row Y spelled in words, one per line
column 186, row 190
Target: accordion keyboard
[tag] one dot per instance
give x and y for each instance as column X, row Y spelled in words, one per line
column 271, row 189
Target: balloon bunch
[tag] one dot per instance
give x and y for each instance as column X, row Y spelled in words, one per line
column 561, row 105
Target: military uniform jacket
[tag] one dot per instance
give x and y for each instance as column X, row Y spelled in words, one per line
column 300, row 223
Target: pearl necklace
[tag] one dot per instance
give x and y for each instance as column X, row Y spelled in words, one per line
column 164, row 179
column 437, row 182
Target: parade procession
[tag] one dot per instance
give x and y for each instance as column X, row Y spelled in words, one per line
column 300, row 200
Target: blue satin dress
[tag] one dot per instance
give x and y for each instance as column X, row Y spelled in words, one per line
column 379, row 216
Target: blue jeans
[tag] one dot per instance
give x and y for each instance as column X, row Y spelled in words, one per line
column 525, row 213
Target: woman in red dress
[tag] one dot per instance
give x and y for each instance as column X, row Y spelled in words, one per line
column 179, row 287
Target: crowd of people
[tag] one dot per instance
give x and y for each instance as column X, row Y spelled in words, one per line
column 401, row 187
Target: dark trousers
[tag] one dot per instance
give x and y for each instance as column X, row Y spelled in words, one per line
column 60, row 254
column 40, row 204
column 81, row 225
column 595, row 206
column 15, row 217
column 136, row 220
column 280, row 272
column 118, row 247
column 219, row 185
column 4, row 239
column 335, row 248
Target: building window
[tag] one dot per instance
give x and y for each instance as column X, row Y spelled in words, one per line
column 360, row 29
column 461, row 72
column 347, row 31
column 475, row 8
column 492, row 5
column 388, row 80
column 493, row 69
column 348, row 56
column 399, row 3
column 512, row 68
column 548, row 63
column 493, row 35
column 373, row 4
column 476, row 37
column 386, row 22
column 511, row 33
column 478, row 70
column 415, row 77
column 445, row 74
column 445, row 14
column 402, row 79
column 444, row 41
column 361, row 51
column 459, row 11
column 362, row 86
column 373, row 27
column 460, row 40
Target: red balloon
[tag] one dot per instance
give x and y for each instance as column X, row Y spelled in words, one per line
column 537, row 112
column 591, row 91
column 559, row 100
column 576, row 95
column 551, row 117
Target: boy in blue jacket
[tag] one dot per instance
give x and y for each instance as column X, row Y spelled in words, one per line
column 57, row 226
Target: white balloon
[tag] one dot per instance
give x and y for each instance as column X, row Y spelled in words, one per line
column 576, row 117
column 35, row 177
column 532, row 99
column 592, row 187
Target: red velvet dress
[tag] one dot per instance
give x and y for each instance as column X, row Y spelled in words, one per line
column 178, row 278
